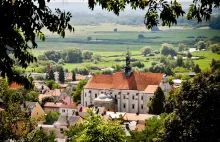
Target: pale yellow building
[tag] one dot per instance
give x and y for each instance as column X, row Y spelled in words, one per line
column 34, row 109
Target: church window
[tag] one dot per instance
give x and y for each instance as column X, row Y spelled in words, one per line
column 85, row 94
column 95, row 95
column 132, row 97
column 133, row 106
column 63, row 110
column 124, row 105
column 142, row 107
column 124, row 96
column 142, row 97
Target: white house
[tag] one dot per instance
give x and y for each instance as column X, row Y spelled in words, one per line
column 131, row 93
column 68, row 109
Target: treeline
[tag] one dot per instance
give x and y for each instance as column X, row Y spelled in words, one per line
column 72, row 55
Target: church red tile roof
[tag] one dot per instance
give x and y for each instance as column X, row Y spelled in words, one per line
column 136, row 81
column 14, row 86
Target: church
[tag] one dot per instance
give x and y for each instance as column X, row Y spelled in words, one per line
column 123, row 91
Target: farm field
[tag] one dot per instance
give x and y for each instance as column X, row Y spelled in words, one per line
column 107, row 43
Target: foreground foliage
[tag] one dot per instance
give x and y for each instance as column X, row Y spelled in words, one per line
column 95, row 129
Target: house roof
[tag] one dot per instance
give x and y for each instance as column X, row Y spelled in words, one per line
column 115, row 115
column 14, row 86
column 135, row 117
column 52, row 104
column 80, row 77
column 29, row 105
column 48, row 92
column 150, row 89
column 57, row 92
column 137, row 81
column 63, row 85
column 67, row 100
column 41, row 96
column 65, row 120
column 71, row 106
column 140, row 127
column 69, row 76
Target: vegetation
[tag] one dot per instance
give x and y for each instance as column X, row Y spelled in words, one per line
column 47, row 99
column 61, row 76
column 78, row 90
column 167, row 49
column 146, row 50
column 51, row 117
column 95, row 128
column 52, row 84
column 156, row 104
column 51, row 75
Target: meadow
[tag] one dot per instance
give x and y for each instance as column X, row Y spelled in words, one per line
column 106, row 42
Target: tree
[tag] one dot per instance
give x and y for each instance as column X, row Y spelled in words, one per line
column 14, row 124
column 167, row 49
column 61, row 76
column 3, row 87
column 200, row 45
column 137, row 64
column 78, row 90
column 196, row 69
column 23, row 23
column 96, row 129
column 87, row 55
column 51, row 117
column 42, row 57
column 153, row 127
column 182, row 47
column 82, row 71
column 52, row 84
column 215, row 48
column 47, row 99
column 52, row 55
column 157, row 68
column 179, row 61
column 161, row 10
column 107, row 72
column 97, row 57
column 141, row 36
column 156, row 105
column 51, row 75
column 196, row 113
column 73, row 75
column 215, row 64
column 32, row 96
column 168, row 70
column 89, row 38
column 189, row 55
column 146, row 50
column 41, row 135
column 72, row 55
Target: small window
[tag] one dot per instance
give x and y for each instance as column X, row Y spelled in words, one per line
column 85, row 94
column 133, row 106
column 142, row 97
column 95, row 95
column 132, row 97
column 115, row 96
column 63, row 110
column 124, row 96
column 142, row 106
column 86, row 103
column 124, row 105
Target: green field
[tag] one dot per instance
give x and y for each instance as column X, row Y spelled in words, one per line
column 107, row 43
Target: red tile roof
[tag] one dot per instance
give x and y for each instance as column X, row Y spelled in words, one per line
column 52, row 104
column 151, row 89
column 135, row 117
column 57, row 92
column 69, row 76
column 67, row 100
column 72, row 106
column 137, row 81
column 49, row 92
column 14, row 86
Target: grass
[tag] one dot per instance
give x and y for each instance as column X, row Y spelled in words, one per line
column 116, row 43
column 205, row 63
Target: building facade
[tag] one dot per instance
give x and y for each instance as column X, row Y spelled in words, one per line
column 131, row 92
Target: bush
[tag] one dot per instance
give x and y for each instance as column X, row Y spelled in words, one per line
column 151, row 54
column 51, row 117
column 137, row 64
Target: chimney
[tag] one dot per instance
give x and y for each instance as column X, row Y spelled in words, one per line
column 137, row 113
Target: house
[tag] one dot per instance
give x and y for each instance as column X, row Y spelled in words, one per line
column 33, row 109
column 41, row 96
column 138, row 118
column 52, row 106
column 66, row 100
column 64, row 121
column 68, row 109
column 130, row 91
column 177, row 83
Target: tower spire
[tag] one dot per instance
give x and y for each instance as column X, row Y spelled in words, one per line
column 127, row 66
